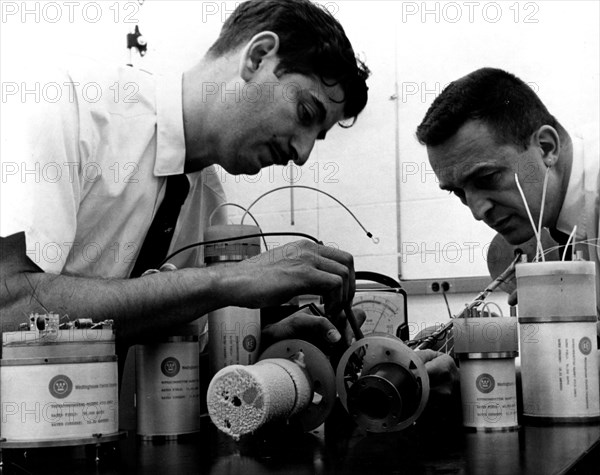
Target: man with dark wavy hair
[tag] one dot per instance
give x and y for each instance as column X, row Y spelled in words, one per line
column 488, row 133
column 280, row 75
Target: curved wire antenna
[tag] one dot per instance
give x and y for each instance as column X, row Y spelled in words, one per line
column 222, row 205
column 369, row 235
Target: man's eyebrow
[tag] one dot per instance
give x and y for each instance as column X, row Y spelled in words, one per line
column 467, row 175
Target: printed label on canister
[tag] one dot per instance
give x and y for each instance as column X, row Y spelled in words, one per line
column 559, row 368
column 168, row 388
column 58, row 401
column 234, row 337
column 489, row 394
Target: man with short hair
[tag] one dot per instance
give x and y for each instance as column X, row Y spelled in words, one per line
column 487, row 127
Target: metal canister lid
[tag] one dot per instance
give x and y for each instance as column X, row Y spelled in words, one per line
column 237, row 250
column 491, row 335
column 555, row 268
column 564, row 290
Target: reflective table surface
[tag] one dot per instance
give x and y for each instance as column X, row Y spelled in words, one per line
column 436, row 444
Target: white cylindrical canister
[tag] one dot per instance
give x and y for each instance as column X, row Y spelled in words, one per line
column 233, row 332
column 557, row 326
column 487, row 348
column 58, row 387
column 168, row 387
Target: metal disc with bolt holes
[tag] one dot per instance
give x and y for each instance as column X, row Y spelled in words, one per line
column 321, row 376
column 375, row 401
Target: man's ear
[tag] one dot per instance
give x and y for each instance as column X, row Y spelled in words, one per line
column 263, row 46
column 548, row 140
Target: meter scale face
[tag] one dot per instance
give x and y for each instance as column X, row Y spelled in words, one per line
column 384, row 310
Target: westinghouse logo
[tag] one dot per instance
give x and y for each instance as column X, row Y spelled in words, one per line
column 485, row 383
column 60, row 386
column 170, row 367
column 585, row 345
column 249, row 343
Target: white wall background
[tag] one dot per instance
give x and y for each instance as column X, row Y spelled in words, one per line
column 376, row 168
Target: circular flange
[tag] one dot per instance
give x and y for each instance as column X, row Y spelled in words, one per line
column 321, row 376
column 360, row 358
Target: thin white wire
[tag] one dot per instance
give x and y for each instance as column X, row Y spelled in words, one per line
column 571, row 238
column 539, row 248
column 544, row 189
column 485, row 306
column 589, row 242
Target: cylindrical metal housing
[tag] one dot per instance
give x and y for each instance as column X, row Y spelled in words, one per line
column 487, row 348
column 168, row 387
column 233, row 332
column 557, row 323
column 58, row 387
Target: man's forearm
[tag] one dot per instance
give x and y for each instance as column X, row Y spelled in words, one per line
column 139, row 307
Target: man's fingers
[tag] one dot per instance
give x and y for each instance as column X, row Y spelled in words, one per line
column 297, row 268
column 427, row 355
column 441, row 369
column 305, row 326
column 339, row 319
column 347, row 260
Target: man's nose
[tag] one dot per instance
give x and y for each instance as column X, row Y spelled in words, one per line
column 302, row 147
column 478, row 203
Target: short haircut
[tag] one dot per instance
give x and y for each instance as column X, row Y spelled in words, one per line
column 499, row 99
column 312, row 42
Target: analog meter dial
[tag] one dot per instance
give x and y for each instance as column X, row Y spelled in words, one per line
column 385, row 311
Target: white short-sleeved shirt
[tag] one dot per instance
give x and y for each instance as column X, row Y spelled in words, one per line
column 85, row 155
column 581, row 205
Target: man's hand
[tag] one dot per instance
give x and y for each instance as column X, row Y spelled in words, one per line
column 297, row 268
column 319, row 330
column 441, row 369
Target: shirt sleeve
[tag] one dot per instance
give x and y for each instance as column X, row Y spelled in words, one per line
column 40, row 162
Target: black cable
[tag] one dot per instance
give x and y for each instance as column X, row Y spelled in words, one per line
column 447, row 304
column 237, row 238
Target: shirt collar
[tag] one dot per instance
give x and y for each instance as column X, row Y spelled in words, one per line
column 170, row 142
column 574, row 202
